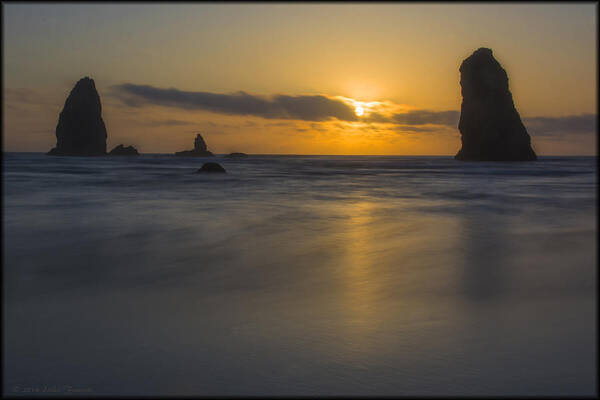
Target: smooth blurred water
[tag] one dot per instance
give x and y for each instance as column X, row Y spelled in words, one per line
column 298, row 275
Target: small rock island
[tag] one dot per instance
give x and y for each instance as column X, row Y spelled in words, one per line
column 81, row 130
column 200, row 149
column 490, row 126
column 120, row 150
column 211, row 167
column 236, row 155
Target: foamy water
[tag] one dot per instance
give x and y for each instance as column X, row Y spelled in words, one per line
column 299, row 276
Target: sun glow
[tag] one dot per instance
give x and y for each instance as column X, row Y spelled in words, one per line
column 365, row 108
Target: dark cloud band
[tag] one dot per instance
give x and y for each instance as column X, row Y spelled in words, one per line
column 307, row 108
column 423, row 117
column 322, row 108
column 558, row 126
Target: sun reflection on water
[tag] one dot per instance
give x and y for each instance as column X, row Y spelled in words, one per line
column 360, row 283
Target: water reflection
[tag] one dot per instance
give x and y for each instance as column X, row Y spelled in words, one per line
column 360, row 283
column 486, row 254
column 300, row 277
column 487, row 250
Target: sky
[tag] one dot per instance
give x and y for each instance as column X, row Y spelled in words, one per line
column 289, row 78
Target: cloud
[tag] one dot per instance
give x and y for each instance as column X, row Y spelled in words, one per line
column 424, row 117
column 307, row 108
column 428, row 121
column 427, row 130
column 417, row 117
column 280, row 124
column 562, row 126
column 27, row 97
column 319, row 108
column 417, row 129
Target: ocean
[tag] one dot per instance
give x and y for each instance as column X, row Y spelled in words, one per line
column 299, row 275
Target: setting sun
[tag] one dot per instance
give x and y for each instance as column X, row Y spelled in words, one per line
column 359, row 110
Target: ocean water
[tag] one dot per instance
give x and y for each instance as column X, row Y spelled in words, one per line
column 299, row 275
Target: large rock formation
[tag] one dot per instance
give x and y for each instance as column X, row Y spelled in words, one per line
column 121, row 150
column 80, row 130
column 490, row 126
column 200, row 149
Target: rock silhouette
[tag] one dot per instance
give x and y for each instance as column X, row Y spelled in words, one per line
column 81, row 130
column 236, row 155
column 200, row 149
column 490, row 126
column 211, row 167
column 120, row 150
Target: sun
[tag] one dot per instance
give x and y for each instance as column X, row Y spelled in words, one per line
column 359, row 110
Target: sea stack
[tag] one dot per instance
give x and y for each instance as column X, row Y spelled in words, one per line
column 490, row 126
column 80, row 130
column 236, row 155
column 121, row 150
column 200, row 149
column 211, row 167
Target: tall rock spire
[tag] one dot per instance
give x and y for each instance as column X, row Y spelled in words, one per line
column 490, row 126
column 80, row 130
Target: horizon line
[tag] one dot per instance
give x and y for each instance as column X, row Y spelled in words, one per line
column 296, row 154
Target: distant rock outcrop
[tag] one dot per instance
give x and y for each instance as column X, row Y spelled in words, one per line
column 80, row 130
column 200, row 149
column 236, row 155
column 490, row 126
column 211, row 167
column 120, row 150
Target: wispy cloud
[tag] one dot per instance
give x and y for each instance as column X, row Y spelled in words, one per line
column 418, row 129
column 307, row 108
column 320, row 108
column 417, row 117
column 424, row 117
column 562, row 126
column 27, row 97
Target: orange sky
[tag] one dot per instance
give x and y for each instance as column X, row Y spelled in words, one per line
column 393, row 57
